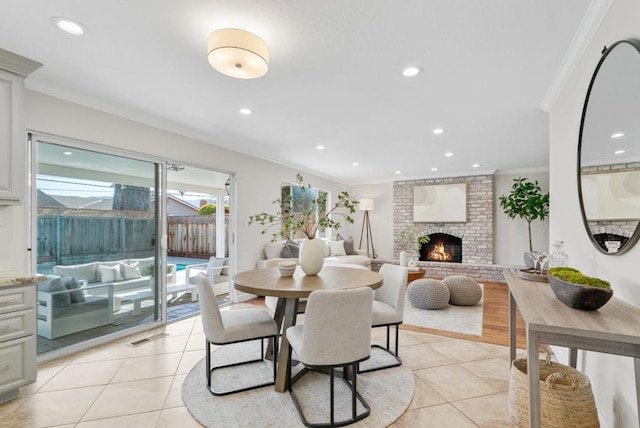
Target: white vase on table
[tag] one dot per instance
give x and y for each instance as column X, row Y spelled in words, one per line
column 311, row 255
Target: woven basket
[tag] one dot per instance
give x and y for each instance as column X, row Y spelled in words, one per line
column 566, row 399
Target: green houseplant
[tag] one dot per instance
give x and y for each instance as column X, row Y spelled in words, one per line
column 577, row 290
column 148, row 271
column 527, row 202
column 409, row 240
column 306, row 213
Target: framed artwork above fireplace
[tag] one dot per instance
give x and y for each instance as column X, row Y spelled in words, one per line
column 440, row 203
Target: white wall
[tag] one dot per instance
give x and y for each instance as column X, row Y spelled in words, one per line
column 258, row 181
column 611, row 377
column 511, row 237
column 381, row 218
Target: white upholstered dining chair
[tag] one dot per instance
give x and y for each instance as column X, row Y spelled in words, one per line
column 388, row 308
column 336, row 333
column 233, row 326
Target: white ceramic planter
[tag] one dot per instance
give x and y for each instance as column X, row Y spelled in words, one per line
column 311, row 256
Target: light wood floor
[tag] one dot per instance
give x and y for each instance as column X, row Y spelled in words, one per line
column 495, row 319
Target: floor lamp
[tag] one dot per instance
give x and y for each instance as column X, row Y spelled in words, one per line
column 366, row 205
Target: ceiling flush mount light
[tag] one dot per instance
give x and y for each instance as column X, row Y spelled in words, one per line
column 434, row 169
column 238, row 53
column 617, row 135
column 67, row 153
column 398, row 172
column 246, row 111
column 618, row 152
column 320, row 147
column 411, row 71
column 448, row 154
column 476, row 165
column 438, row 131
column 69, row 25
column 355, row 164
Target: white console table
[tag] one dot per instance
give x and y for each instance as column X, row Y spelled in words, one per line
column 612, row 329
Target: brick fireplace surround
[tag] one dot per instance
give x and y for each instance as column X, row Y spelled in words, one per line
column 476, row 232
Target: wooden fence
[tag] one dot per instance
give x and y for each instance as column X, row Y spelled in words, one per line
column 71, row 236
column 194, row 236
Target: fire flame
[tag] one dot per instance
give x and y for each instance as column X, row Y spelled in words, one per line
column 439, row 253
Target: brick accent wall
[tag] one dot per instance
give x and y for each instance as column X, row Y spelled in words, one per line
column 476, row 232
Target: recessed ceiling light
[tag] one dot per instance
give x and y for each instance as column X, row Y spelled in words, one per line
column 411, row 71
column 476, row 165
column 448, row 154
column 398, row 172
column 434, row 169
column 617, row 135
column 320, row 147
column 246, row 111
column 355, row 164
column 438, row 131
column 618, row 152
column 69, row 25
column 67, row 153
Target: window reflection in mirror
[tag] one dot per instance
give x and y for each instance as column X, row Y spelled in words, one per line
column 609, row 150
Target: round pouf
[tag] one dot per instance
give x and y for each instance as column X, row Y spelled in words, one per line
column 464, row 291
column 428, row 294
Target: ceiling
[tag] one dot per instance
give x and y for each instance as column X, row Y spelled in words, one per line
column 334, row 79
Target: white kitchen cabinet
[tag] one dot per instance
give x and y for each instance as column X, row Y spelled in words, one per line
column 17, row 339
column 13, row 70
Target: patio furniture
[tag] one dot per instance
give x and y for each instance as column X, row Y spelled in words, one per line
column 240, row 325
column 464, row 291
column 336, row 333
column 428, row 294
column 388, row 308
column 59, row 316
column 216, row 270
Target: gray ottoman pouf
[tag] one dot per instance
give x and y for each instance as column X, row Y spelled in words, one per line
column 428, row 294
column 464, row 291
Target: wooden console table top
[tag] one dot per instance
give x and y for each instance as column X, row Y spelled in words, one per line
column 612, row 329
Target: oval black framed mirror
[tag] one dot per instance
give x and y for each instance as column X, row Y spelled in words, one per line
column 609, row 150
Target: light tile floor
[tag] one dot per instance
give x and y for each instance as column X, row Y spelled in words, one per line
column 458, row 383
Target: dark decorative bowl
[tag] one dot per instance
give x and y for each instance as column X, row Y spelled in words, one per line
column 579, row 296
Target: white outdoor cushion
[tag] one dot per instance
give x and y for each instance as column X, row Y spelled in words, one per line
column 86, row 271
column 143, row 263
column 214, row 264
column 109, row 273
column 130, row 271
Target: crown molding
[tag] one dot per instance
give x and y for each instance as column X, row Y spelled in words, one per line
column 590, row 23
column 17, row 64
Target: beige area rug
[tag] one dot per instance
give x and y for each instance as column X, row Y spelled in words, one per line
column 388, row 393
column 459, row 319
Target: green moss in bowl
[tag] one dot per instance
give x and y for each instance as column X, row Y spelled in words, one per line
column 577, row 290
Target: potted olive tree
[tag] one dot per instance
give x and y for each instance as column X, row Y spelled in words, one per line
column 527, row 202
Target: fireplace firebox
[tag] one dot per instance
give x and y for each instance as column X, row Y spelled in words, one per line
column 442, row 247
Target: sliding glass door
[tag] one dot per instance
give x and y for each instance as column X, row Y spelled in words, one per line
column 198, row 235
column 97, row 226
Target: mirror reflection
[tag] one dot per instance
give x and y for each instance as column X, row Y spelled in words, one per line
column 609, row 150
